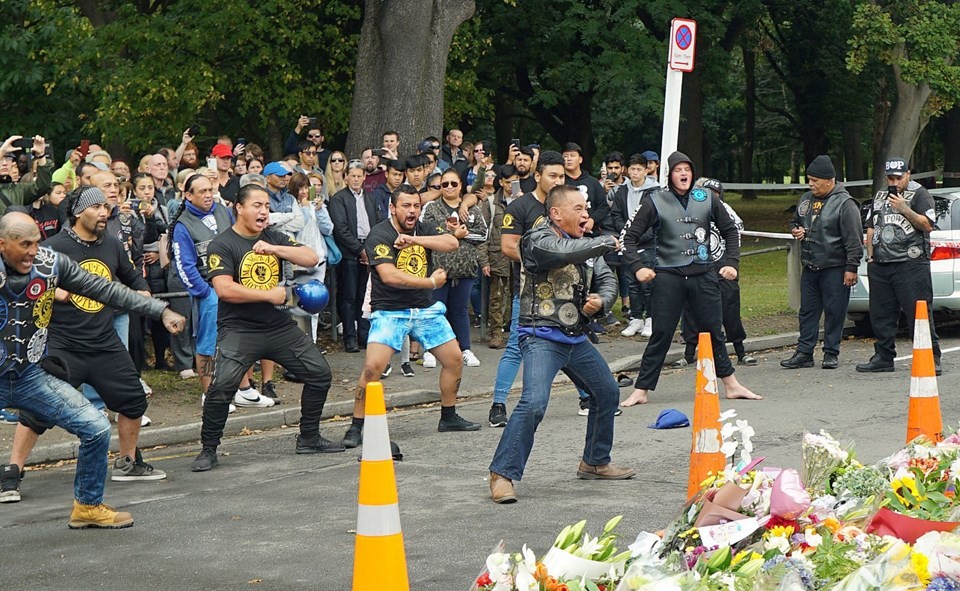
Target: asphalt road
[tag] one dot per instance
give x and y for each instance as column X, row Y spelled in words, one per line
column 268, row 519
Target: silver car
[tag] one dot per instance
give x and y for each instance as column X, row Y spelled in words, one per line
column 944, row 263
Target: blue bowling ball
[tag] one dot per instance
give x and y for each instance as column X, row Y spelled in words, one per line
column 313, row 296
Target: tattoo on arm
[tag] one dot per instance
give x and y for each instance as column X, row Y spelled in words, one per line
column 206, row 367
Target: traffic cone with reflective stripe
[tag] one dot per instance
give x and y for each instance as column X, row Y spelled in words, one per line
column 924, row 415
column 379, row 562
column 705, row 454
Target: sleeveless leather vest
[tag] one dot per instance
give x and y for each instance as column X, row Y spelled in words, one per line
column 202, row 234
column 895, row 240
column 684, row 235
column 24, row 316
column 554, row 298
column 822, row 245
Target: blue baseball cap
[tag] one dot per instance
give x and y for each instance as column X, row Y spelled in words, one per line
column 651, row 155
column 276, row 168
column 670, row 418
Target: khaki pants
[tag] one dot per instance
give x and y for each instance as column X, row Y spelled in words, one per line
column 499, row 306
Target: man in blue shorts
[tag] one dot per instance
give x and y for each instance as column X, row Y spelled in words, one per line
column 402, row 304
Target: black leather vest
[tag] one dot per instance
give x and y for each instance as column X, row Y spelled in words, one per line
column 554, row 298
column 822, row 245
column 24, row 316
column 895, row 240
column 202, row 235
column 684, row 236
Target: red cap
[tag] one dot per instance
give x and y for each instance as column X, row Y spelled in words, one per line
column 221, row 151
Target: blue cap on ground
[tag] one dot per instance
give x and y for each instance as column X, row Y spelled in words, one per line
column 651, row 155
column 312, row 296
column 670, row 418
column 276, row 168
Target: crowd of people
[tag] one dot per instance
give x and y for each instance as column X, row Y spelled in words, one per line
column 414, row 237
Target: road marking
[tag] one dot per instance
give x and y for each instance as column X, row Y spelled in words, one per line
column 950, row 350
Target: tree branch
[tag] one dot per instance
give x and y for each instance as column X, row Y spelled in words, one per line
column 778, row 111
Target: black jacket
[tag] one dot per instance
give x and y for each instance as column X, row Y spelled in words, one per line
column 343, row 214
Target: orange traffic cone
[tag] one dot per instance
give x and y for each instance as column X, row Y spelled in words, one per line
column 924, row 415
column 379, row 562
column 705, row 454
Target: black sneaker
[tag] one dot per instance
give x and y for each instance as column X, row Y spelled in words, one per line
column 127, row 469
column 353, row 437
column 456, row 423
column 205, row 461
column 498, row 415
column 317, row 445
column 10, row 478
column 584, row 407
column 386, row 372
column 267, row 389
column 291, row 377
column 406, row 370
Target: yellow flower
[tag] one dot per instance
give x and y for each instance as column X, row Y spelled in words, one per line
column 739, row 557
column 919, row 562
column 784, row 531
column 906, row 483
column 832, row 524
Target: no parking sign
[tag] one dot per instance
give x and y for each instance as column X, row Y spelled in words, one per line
column 683, row 44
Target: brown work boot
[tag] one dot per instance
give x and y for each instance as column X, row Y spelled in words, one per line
column 496, row 341
column 501, row 489
column 605, row 472
column 102, row 516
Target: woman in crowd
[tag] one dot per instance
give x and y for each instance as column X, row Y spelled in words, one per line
column 461, row 264
column 333, row 176
column 45, row 213
column 431, row 190
column 254, row 166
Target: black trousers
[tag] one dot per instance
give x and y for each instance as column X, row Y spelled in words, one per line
column 733, row 330
column 238, row 349
column 896, row 288
column 822, row 292
column 670, row 294
column 351, row 288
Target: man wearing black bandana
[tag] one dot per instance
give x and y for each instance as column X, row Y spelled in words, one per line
column 83, row 336
column 29, row 275
column 684, row 273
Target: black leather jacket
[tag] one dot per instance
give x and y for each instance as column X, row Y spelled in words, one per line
column 558, row 273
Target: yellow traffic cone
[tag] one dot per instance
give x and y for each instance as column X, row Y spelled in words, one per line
column 924, row 415
column 379, row 562
column 705, row 454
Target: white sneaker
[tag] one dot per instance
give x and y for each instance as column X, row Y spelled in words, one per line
column 469, row 359
column 633, row 328
column 429, row 360
column 146, row 387
column 203, row 400
column 145, row 421
column 250, row 398
column 647, row 330
column 187, row 374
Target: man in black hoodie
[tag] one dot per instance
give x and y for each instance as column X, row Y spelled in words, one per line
column 683, row 272
column 588, row 186
column 827, row 223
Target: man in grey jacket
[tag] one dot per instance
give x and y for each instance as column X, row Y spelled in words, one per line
column 560, row 266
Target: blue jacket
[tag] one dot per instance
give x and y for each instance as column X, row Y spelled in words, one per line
column 186, row 253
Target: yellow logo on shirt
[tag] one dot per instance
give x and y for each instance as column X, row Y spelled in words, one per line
column 215, row 263
column 508, row 221
column 99, row 269
column 413, row 261
column 382, row 251
column 259, row 271
column 43, row 309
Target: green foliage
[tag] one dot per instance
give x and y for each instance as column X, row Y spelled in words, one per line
column 919, row 38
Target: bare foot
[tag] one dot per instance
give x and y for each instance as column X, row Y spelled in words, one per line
column 742, row 394
column 636, row 397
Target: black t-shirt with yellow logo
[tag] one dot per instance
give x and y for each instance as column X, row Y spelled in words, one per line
column 232, row 254
column 414, row 260
column 80, row 323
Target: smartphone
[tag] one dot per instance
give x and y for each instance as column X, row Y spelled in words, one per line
column 25, row 143
column 611, row 176
column 312, row 192
column 312, row 121
column 135, row 203
column 194, row 130
column 379, row 152
column 893, row 190
column 515, row 142
column 212, row 163
column 241, row 141
column 84, row 148
column 514, row 189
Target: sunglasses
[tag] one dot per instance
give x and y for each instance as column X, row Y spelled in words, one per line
column 313, row 135
column 447, row 184
column 435, row 146
column 310, row 153
column 337, row 160
column 354, row 164
column 434, row 187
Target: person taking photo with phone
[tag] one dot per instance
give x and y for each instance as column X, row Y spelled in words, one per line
column 13, row 193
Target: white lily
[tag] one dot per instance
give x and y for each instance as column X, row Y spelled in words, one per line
column 498, row 564
column 812, row 538
column 589, row 547
column 727, row 430
column 526, row 568
column 729, row 448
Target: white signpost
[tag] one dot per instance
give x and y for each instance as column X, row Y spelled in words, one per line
column 683, row 45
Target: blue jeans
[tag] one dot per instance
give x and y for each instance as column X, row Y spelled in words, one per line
column 509, row 365
column 121, row 324
column 455, row 298
column 54, row 400
column 542, row 359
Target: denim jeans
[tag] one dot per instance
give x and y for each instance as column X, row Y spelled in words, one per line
column 509, row 365
column 455, row 298
column 121, row 324
column 54, row 400
column 542, row 359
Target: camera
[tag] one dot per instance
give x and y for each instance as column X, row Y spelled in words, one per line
column 25, row 143
column 379, row 152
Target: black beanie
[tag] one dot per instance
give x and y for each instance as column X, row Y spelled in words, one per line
column 822, row 168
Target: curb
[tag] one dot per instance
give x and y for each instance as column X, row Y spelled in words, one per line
column 190, row 432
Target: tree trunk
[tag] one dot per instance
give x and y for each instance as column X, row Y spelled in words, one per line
column 903, row 127
column 855, row 168
column 401, row 68
column 951, row 148
column 750, row 118
column 691, row 122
